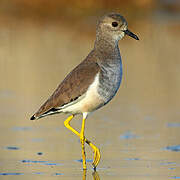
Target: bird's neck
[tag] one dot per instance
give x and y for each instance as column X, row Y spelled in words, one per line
column 106, row 41
column 107, row 48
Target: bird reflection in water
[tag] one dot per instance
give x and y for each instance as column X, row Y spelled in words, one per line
column 94, row 174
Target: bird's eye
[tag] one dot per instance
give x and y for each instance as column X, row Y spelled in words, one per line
column 114, row 24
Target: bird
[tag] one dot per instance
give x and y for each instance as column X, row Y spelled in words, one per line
column 92, row 83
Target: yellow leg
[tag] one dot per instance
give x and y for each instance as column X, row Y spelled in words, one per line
column 67, row 125
column 96, row 151
column 82, row 139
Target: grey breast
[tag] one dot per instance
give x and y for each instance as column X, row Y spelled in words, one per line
column 110, row 78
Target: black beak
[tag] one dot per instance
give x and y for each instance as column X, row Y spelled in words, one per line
column 129, row 33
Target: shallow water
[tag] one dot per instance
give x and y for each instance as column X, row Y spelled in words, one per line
column 138, row 132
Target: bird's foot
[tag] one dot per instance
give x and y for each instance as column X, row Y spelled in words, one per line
column 97, row 155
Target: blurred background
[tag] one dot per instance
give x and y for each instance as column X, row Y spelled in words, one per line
column 138, row 131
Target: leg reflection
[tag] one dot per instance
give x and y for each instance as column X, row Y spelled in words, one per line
column 94, row 174
column 84, row 174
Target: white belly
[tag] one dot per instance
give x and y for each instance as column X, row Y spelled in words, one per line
column 88, row 102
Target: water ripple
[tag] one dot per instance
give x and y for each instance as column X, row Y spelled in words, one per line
column 12, row 148
column 129, row 135
column 5, row 174
column 41, row 162
column 173, row 148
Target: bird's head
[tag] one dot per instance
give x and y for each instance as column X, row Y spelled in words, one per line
column 115, row 26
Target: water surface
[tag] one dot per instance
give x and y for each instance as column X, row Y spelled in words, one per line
column 138, row 132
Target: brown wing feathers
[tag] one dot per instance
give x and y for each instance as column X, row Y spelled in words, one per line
column 74, row 85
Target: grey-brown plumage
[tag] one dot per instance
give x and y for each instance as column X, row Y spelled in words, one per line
column 95, row 80
column 72, row 87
